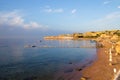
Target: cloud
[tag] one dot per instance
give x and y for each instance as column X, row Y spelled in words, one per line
column 11, row 18
column 51, row 10
column 14, row 19
column 32, row 25
column 73, row 11
column 106, row 2
column 48, row 10
column 58, row 10
column 109, row 21
column 119, row 7
column 110, row 17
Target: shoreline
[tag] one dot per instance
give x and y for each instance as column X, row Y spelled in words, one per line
column 107, row 64
column 73, row 72
column 101, row 68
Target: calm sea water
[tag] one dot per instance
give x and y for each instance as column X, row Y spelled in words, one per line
column 20, row 63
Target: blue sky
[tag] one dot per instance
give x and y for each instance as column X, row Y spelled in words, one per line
column 18, row 17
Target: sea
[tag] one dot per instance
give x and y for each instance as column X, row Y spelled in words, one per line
column 39, row 59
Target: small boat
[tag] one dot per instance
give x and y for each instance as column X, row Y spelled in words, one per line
column 33, row 46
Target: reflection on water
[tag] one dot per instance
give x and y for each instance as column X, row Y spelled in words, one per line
column 67, row 44
column 19, row 63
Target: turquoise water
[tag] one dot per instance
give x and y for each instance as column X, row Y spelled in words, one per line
column 35, row 63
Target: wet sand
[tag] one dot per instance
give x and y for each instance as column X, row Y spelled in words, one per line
column 73, row 71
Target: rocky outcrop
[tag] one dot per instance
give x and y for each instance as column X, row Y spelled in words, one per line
column 112, row 34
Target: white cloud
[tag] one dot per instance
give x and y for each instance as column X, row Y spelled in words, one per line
column 48, row 10
column 58, row 10
column 73, row 11
column 51, row 10
column 110, row 17
column 109, row 21
column 14, row 19
column 11, row 19
column 32, row 25
column 106, row 2
column 119, row 7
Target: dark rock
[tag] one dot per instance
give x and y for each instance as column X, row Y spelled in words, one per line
column 79, row 69
column 69, row 70
column 70, row 62
column 33, row 46
column 40, row 40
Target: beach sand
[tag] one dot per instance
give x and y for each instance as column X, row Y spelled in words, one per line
column 100, row 68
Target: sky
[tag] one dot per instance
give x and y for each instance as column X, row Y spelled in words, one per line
column 49, row 17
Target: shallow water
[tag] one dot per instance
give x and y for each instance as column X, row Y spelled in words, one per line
column 35, row 63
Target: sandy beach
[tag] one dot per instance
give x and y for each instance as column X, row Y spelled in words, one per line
column 102, row 68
